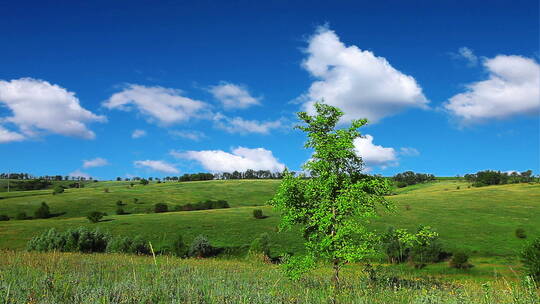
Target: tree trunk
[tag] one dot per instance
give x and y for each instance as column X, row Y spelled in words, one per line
column 335, row 282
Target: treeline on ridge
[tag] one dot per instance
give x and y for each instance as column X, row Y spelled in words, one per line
column 490, row 177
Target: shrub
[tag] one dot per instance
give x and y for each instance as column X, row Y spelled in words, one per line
column 460, row 260
column 431, row 252
column 201, row 247
column 43, row 211
column 395, row 250
column 530, row 257
column 260, row 245
column 4, row 217
column 106, row 190
column 187, row 207
column 520, row 233
column 135, row 200
column 144, row 182
column 179, row 248
column 80, row 239
column 47, row 241
column 58, row 189
column 119, row 203
column 139, row 246
column 119, row 245
column 95, row 216
column 258, row 214
column 91, row 240
column 407, row 207
column 401, row 184
column 458, row 187
column 120, row 211
column 21, row 216
column 161, row 207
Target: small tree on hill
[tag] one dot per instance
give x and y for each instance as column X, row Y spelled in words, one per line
column 58, row 189
column 95, row 216
column 144, row 181
column 333, row 206
column 43, row 211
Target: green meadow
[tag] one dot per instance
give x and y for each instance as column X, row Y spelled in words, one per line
column 480, row 221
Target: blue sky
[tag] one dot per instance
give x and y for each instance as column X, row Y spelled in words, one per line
column 451, row 87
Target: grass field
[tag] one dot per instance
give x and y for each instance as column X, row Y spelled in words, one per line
column 102, row 278
column 480, row 221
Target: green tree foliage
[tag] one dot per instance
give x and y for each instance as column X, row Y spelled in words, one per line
column 258, row 214
column 420, row 247
column 79, row 239
column 408, row 178
column 334, row 205
column 260, row 245
column 530, row 257
column 179, row 248
column 489, row 177
column 144, row 182
column 21, row 216
column 94, row 216
column 161, row 207
column 43, row 211
column 460, row 260
column 4, row 217
column 201, row 247
column 58, row 189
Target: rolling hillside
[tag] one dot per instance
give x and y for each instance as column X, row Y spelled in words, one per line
column 481, row 221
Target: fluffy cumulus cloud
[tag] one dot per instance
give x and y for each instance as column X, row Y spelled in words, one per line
column 137, row 133
column 163, row 105
column 360, row 83
column 233, row 96
column 243, row 126
column 96, row 162
column 512, row 89
column 375, row 155
column 9, row 136
column 79, row 173
column 156, row 165
column 38, row 106
column 241, row 159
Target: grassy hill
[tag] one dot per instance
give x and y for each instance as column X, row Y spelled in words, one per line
column 481, row 221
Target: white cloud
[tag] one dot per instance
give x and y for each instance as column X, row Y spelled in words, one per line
column 359, row 83
column 137, row 133
column 375, row 155
column 96, row 162
column 241, row 159
column 9, row 136
column 243, row 126
column 191, row 135
column 164, row 105
column 512, row 88
column 78, row 173
column 233, row 96
column 408, row 151
column 38, row 106
column 156, row 165
column 467, row 54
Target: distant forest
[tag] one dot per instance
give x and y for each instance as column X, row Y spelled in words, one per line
column 26, row 181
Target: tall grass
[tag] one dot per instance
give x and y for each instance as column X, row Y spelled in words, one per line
column 107, row 278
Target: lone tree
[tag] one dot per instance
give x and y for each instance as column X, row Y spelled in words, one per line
column 333, row 205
